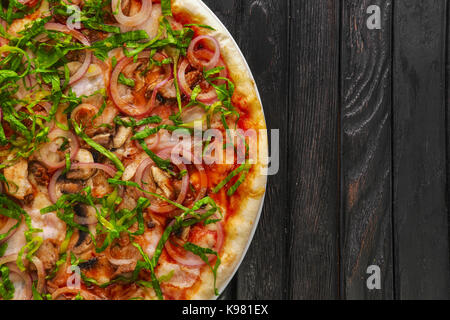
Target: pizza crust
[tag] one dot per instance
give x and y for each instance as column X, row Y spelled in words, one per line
column 241, row 226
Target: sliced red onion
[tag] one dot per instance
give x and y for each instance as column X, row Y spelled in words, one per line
column 181, row 256
column 140, row 170
column 26, row 292
column 88, row 108
column 8, row 258
column 118, row 262
column 52, row 185
column 206, row 97
column 8, row 225
column 130, row 108
column 140, row 175
column 134, row 20
column 50, row 146
column 197, row 63
column 151, row 141
column 80, row 37
column 40, row 273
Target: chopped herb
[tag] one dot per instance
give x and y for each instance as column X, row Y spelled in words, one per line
column 126, row 81
column 202, row 253
column 166, row 7
column 6, row 285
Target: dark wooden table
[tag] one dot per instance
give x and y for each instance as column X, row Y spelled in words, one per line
column 364, row 171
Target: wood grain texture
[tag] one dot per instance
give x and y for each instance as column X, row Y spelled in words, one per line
column 313, row 198
column 447, row 108
column 366, row 233
column 419, row 141
column 263, row 39
column 364, row 176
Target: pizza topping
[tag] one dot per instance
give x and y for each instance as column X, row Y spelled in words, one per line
column 141, row 14
column 133, row 102
column 21, row 282
column 47, row 254
column 62, row 142
column 202, row 64
column 39, row 172
column 17, row 177
column 80, row 37
column 91, row 118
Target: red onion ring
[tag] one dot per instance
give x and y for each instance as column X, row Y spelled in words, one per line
column 27, row 293
column 90, row 109
column 105, row 70
column 130, row 108
column 8, row 258
column 165, row 208
column 135, row 20
column 8, row 225
column 118, row 262
column 40, row 273
column 206, row 54
column 52, row 185
column 80, row 37
column 203, row 182
column 74, row 147
column 206, row 97
column 195, row 61
column 166, row 154
column 151, row 141
column 188, row 258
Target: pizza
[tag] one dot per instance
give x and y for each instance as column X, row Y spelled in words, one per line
column 133, row 150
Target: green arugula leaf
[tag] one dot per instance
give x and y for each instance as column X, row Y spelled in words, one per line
column 6, row 285
column 166, row 8
column 126, row 81
column 202, row 253
column 111, row 156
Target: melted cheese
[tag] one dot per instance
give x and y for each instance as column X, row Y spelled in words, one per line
column 52, row 227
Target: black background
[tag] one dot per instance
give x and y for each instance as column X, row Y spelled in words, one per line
column 363, row 119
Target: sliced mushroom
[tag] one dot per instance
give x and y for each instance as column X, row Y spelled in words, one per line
column 103, row 139
column 83, row 156
column 84, row 215
column 122, row 134
column 162, row 179
column 66, row 186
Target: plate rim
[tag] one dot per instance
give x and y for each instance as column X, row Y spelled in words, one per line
column 258, row 217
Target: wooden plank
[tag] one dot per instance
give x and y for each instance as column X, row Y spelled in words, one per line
column 419, row 141
column 260, row 29
column 366, row 233
column 313, row 197
column 447, row 100
column 262, row 36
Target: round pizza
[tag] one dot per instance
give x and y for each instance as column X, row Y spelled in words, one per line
column 133, row 150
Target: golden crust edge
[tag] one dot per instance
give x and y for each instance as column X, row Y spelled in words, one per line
column 240, row 226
